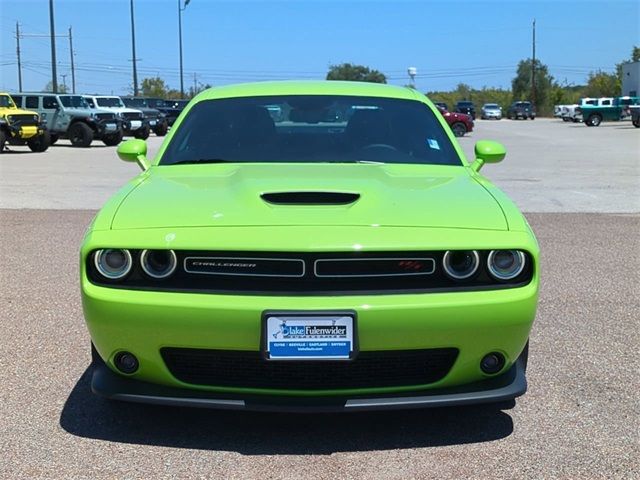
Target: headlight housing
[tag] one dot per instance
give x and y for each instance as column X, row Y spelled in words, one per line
column 158, row 264
column 461, row 264
column 505, row 265
column 113, row 263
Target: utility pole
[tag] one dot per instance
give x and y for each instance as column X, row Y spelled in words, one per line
column 54, row 78
column 64, row 82
column 195, row 84
column 73, row 70
column 133, row 49
column 533, row 67
column 19, row 59
column 180, row 10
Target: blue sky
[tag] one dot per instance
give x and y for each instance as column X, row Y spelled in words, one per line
column 479, row 43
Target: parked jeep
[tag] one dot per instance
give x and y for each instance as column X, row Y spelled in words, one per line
column 69, row 116
column 466, row 107
column 619, row 109
column 20, row 127
column 133, row 122
column 155, row 118
column 522, row 110
column 167, row 107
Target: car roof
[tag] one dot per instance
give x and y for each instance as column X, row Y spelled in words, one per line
column 362, row 89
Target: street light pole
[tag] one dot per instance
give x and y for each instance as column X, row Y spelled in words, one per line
column 54, row 77
column 180, row 9
column 133, row 50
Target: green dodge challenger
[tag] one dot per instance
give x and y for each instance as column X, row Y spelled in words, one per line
column 310, row 246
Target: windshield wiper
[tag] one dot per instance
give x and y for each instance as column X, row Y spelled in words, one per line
column 202, row 160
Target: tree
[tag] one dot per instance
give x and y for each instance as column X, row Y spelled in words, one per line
column 153, row 87
column 61, row 88
column 355, row 73
column 521, row 84
column 602, row 84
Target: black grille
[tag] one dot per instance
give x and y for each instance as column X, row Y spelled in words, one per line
column 132, row 115
column 229, row 368
column 291, row 273
column 23, row 119
column 105, row 116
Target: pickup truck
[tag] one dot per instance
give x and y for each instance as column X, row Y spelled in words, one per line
column 619, row 109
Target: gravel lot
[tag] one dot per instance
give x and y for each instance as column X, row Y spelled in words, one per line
column 579, row 419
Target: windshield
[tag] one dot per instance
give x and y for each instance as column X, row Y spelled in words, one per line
column 155, row 102
column 6, row 102
column 73, row 101
column 491, row 105
column 135, row 102
column 311, row 129
column 465, row 104
column 110, row 102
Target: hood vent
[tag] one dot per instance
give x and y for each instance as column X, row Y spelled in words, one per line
column 310, row 198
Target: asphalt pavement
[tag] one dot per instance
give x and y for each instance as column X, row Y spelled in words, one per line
column 579, row 418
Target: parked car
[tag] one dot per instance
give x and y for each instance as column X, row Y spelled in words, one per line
column 491, row 110
column 21, row 127
column 133, row 122
column 467, row 107
column 522, row 110
column 460, row 123
column 441, row 105
column 69, row 116
column 155, row 118
column 619, row 109
column 306, row 265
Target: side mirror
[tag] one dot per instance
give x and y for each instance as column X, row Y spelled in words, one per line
column 134, row 150
column 488, row 151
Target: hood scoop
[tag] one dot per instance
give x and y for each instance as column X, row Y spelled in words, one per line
column 310, row 198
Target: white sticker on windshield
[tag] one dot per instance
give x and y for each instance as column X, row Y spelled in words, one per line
column 433, row 143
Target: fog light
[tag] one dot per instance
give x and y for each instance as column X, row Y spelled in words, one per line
column 492, row 363
column 126, row 362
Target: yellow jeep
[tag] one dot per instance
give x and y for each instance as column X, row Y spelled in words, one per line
column 20, row 127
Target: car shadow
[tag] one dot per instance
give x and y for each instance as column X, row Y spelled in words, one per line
column 252, row 433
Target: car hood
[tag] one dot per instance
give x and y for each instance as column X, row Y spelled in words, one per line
column 221, row 195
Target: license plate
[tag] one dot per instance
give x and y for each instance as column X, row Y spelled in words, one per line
column 309, row 336
column 136, row 124
column 152, row 123
column 110, row 127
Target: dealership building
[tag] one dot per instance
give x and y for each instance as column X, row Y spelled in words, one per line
column 631, row 79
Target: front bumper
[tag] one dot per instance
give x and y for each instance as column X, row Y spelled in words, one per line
column 507, row 386
column 26, row 132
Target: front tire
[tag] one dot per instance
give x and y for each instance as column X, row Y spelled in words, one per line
column 459, row 129
column 53, row 139
column 40, row 143
column 3, row 140
column 594, row 120
column 636, row 122
column 80, row 135
column 113, row 139
column 161, row 129
column 142, row 133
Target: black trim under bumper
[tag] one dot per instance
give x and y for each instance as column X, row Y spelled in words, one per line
column 108, row 384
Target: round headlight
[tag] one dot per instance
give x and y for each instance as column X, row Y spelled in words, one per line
column 112, row 263
column 505, row 264
column 461, row 264
column 158, row 263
